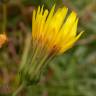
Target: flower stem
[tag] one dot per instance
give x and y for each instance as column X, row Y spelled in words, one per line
column 19, row 89
column 4, row 17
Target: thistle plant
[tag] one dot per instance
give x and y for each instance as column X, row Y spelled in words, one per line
column 52, row 35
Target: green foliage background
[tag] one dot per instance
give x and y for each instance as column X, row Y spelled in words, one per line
column 72, row 74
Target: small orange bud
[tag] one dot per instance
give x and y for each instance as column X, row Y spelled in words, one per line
column 3, row 39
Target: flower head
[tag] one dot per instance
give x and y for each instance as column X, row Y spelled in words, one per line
column 52, row 34
column 51, row 31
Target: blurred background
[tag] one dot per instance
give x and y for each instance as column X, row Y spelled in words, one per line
column 72, row 74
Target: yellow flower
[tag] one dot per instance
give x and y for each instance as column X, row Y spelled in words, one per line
column 52, row 32
column 51, row 35
column 3, row 39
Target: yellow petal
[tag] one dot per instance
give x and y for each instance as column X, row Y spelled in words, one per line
column 69, row 44
column 38, row 12
column 68, row 25
column 74, row 29
column 42, row 24
column 58, row 18
column 49, row 18
column 36, row 25
column 72, row 32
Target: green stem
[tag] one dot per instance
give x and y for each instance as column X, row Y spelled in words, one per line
column 4, row 17
column 19, row 89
